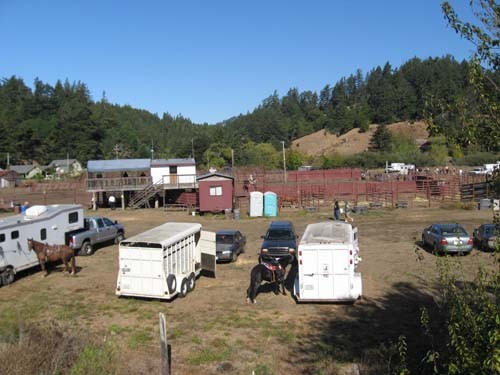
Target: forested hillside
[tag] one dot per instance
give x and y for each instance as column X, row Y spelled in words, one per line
column 45, row 122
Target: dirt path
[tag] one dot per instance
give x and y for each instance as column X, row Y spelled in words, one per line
column 213, row 330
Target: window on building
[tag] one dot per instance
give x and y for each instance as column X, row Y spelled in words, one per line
column 73, row 217
column 14, row 235
column 43, row 234
column 215, row 191
column 2, row 237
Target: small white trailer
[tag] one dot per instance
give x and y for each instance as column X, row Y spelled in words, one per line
column 328, row 255
column 48, row 224
column 164, row 261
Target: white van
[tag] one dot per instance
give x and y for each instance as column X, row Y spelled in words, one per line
column 328, row 255
column 164, row 261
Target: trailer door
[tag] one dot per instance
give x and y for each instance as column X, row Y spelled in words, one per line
column 141, row 271
column 208, row 254
column 341, row 274
column 325, row 273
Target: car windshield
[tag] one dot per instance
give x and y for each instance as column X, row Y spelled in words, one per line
column 225, row 239
column 279, row 234
column 453, row 230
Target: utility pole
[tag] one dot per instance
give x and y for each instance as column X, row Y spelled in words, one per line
column 284, row 160
column 152, row 150
column 8, row 160
column 192, row 148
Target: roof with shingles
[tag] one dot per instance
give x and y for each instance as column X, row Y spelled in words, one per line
column 61, row 162
column 22, row 169
column 177, row 162
column 207, row 175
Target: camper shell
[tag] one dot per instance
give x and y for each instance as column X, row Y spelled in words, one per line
column 48, row 224
column 328, row 255
column 164, row 261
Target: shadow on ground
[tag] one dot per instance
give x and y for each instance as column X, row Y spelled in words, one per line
column 367, row 333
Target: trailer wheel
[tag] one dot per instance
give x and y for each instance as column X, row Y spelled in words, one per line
column 191, row 282
column 119, row 238
column 171, row 283
column 8, row 276
column 86, row 249
column 184, row 288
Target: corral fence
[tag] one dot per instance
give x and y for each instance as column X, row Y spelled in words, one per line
column 320, row 188
column 53, row 192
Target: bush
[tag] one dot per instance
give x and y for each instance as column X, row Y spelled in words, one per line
column 477, row 158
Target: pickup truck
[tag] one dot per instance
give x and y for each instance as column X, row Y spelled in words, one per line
column 96, row 230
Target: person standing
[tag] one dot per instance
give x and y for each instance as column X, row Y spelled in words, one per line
column 336, row 211
column 112, row 201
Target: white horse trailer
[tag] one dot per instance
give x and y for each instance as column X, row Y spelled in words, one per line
column 165, row 261
column 48, row 224
column 328, row 255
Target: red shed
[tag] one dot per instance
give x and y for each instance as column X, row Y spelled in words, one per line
column 215, row 192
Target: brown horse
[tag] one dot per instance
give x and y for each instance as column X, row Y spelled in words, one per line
column 46, row 253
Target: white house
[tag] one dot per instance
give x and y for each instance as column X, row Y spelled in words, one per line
column 66, row 166
column 173, row 171
column 26, row 171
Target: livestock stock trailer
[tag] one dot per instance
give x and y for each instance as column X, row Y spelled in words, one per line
column 165, row 261
column 48, row 224
column 328, row 255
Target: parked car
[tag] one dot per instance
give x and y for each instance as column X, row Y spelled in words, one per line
column 447, row 238
column 229, row 244
column 280, row 242
column 96, row 230
column 485, row 236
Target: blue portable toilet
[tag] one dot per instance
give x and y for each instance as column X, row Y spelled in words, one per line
column 270, row 204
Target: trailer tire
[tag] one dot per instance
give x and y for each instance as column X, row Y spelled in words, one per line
column 119, row 238
column 86, row 249
column 7, row 276
column 171, row 284
column 191, row 282
column 184, row 288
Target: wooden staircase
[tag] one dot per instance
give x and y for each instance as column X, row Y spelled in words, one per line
column 142, row 197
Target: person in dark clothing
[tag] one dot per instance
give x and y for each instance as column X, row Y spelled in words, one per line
column 336, row 211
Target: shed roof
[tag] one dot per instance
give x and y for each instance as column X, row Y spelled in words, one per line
column 8, row 174
column 22, row 169
column 118, row 165
column 215, row 174
column 167, row 162
column 61, row 162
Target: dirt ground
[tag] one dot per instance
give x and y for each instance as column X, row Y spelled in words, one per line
column 213, row 330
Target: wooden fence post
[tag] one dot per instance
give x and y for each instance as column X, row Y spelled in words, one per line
column 165, row 358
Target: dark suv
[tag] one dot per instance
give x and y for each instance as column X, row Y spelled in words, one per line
column 280, row 242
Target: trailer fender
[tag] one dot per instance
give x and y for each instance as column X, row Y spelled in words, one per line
column 171, row 283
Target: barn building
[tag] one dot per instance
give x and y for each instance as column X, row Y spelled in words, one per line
column 215, row 192
column 139, row 182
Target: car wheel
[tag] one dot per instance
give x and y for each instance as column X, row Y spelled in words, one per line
column 423, row 241
column 184, row 288
column 8, row 276
column 191, row 282
column 86, row 249
column 119, row 238
column 171, row 283
column 234, row 256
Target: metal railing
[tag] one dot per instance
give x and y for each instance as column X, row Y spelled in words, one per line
column 139, row 183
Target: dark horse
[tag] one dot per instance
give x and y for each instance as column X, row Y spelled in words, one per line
column 46, row 253
column 273, row 273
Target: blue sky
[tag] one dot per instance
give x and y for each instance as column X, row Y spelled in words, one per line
column 210, row 60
